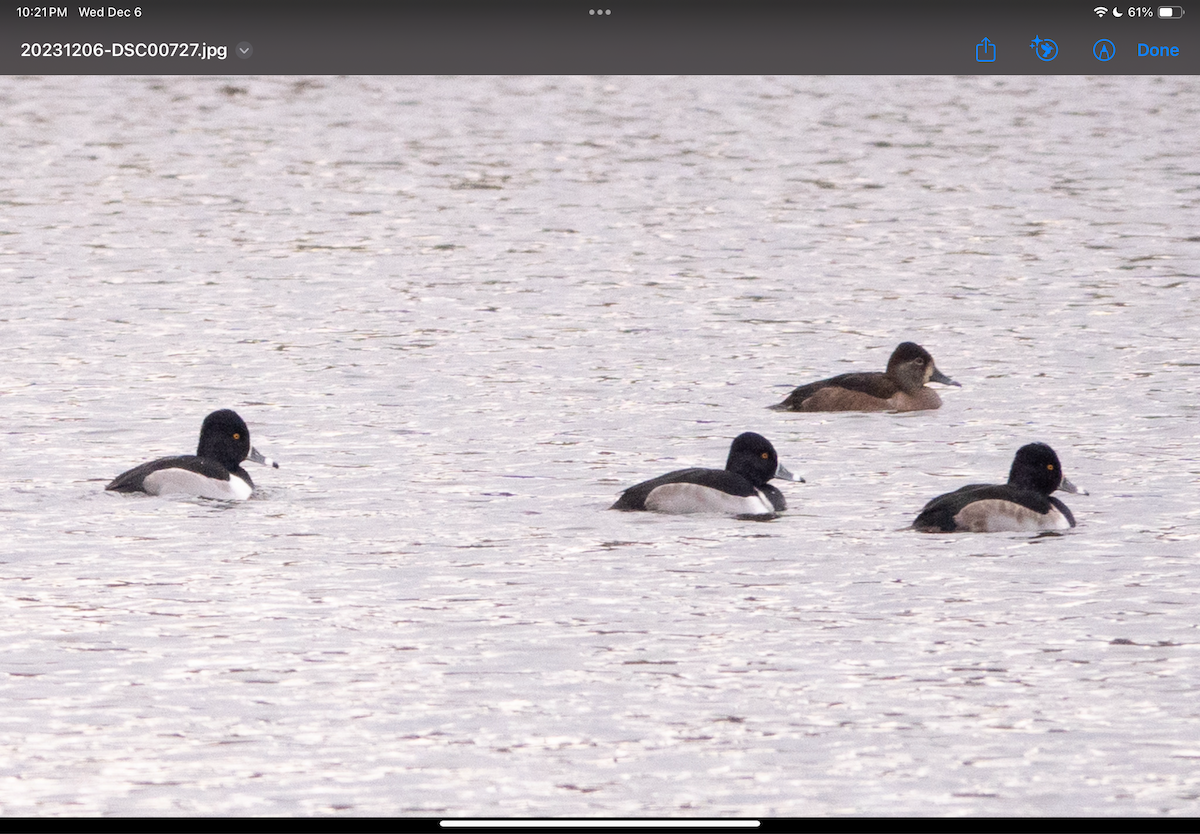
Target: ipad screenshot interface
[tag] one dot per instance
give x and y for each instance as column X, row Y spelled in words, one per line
column 702, row 413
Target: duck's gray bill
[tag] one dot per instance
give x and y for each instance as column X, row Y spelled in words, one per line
column 782, row 474
column 938, row 376
column 257, row 457
column 1067, row 486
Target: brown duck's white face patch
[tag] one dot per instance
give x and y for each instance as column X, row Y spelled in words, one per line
column 994, row 515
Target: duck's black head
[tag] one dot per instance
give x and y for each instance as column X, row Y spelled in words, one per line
column 1037, row 467
column 753, row 457
column 224, row 438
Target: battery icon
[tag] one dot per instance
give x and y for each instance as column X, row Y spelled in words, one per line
column 1170, row 11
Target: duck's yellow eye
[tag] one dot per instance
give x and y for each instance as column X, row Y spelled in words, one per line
column 765, row 455
column 237, row 436
column 1050, row 466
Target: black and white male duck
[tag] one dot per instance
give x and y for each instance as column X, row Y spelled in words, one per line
column 740, row 488
column 215, row 471
column 1023, row 504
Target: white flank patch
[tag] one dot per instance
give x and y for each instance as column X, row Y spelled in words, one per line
column 694, row 498
column 994, row 515
column 186, row 482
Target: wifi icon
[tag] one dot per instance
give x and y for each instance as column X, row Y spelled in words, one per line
column 1101, row 11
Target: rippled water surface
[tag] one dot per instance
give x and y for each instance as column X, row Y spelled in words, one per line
column 465, row 313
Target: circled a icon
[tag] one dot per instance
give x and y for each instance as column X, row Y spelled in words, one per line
column 1045, row 48
column 1104, row 49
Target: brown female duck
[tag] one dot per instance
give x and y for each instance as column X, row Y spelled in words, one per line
column 902, row 387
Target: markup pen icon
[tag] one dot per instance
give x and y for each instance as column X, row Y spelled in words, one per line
column 985, row 51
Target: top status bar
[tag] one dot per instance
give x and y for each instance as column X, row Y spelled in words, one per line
column 564, row 36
